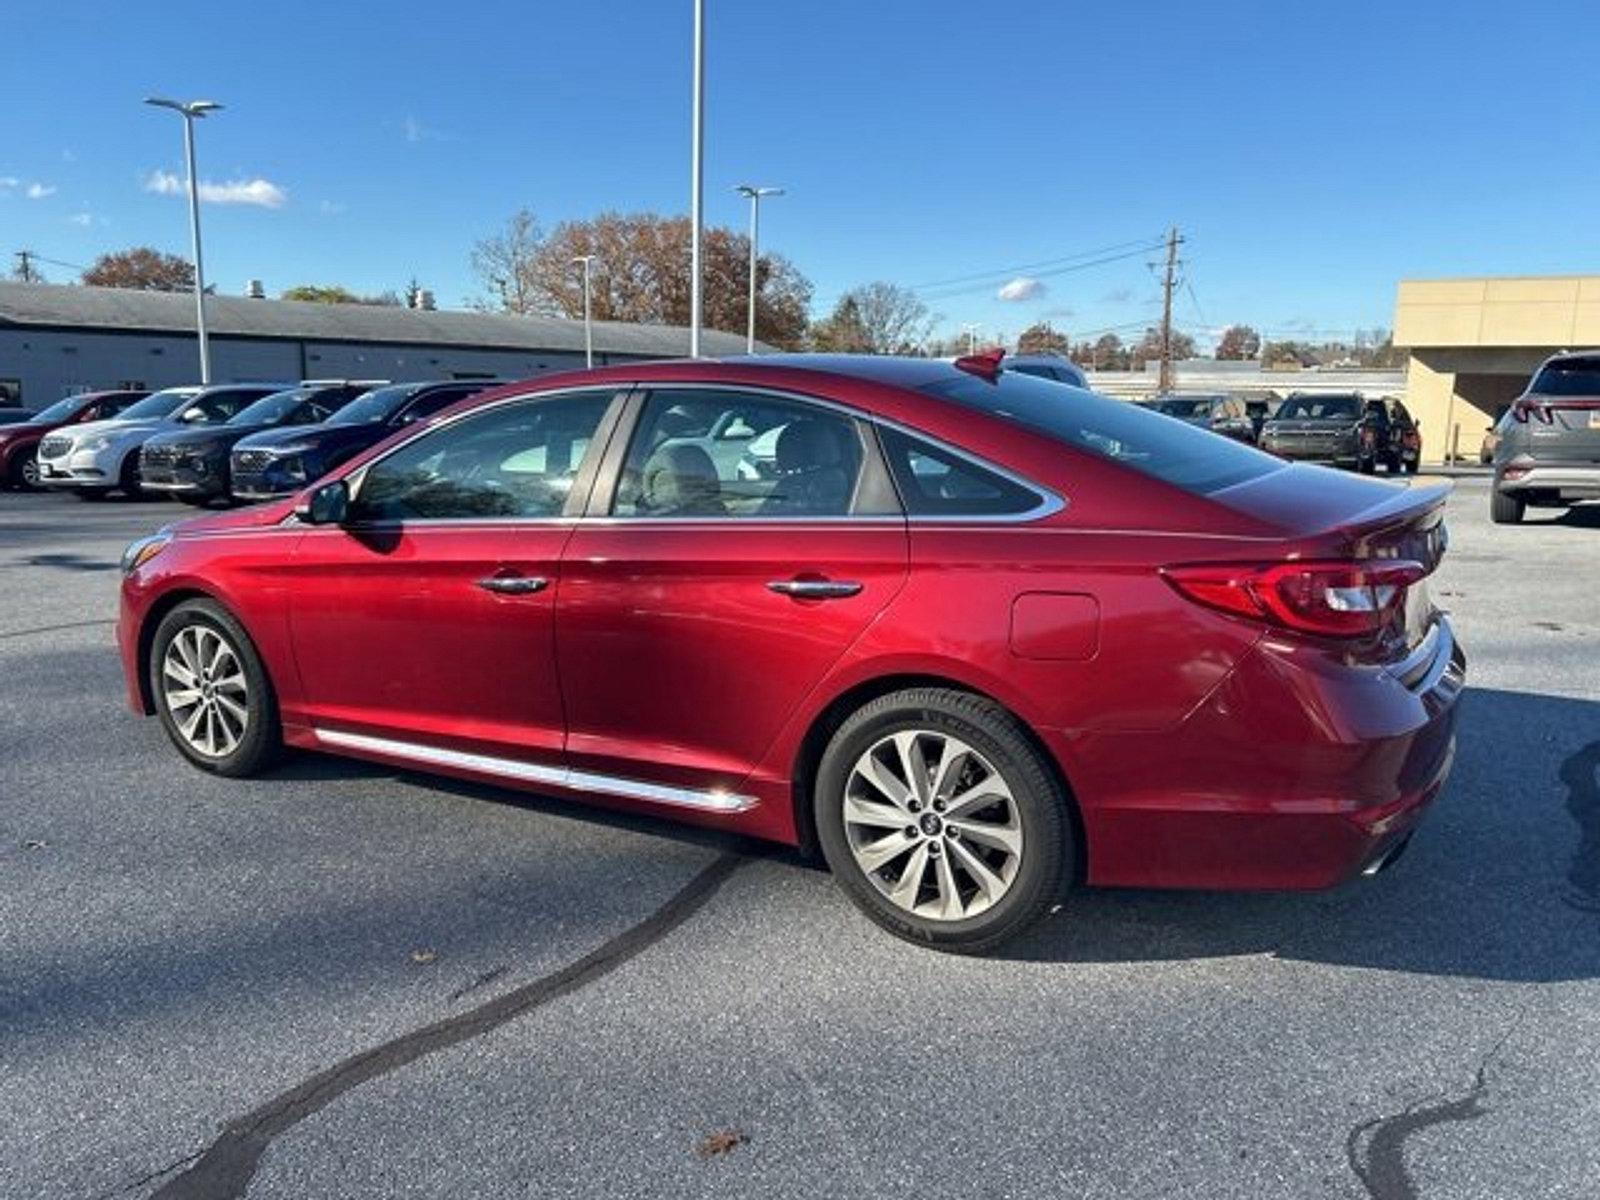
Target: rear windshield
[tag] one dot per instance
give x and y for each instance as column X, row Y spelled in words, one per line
column 158, row 405
column 1176, row 407
column 1312, row 408
column 1194, row 459
column 1570, row 377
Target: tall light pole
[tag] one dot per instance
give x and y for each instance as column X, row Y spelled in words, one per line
column 588, row 321
column 697, row 177
column 192, row 111
column 754, row 193
column 972, row 336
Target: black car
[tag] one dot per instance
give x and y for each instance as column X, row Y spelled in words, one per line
column 1328, row 427
column 192, row 464
column 279, row 461
column 1219, row 413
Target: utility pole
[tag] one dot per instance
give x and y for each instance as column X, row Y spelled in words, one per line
column 697, row 176
column 1168, row 283
column 25, row 267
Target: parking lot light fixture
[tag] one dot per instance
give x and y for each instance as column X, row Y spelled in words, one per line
column 972, row 336
column 755, row 194
column 588, row 322
column 191, row 111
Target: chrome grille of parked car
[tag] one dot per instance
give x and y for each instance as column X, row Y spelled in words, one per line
column 251, row 460
column 54, row 447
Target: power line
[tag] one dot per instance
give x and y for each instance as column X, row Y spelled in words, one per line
column 1140, row 247
column 947, row 293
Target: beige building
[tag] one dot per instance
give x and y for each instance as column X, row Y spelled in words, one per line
column 1474, row 343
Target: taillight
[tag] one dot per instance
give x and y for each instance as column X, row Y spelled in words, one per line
column 1344, row 599
column 1525, row 408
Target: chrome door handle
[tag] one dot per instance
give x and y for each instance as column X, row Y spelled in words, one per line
column 514, row 585
column 814, row 589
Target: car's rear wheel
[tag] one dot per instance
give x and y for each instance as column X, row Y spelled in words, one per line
column 941, row 821
column 1506, row 509
column 212, row 691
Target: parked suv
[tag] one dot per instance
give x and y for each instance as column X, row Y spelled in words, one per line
column 1327, row 427
column 1219, row 413
column 103, row 456
column 1548, row 453
column 193, row 464
column 19, row 444
column 276, row 462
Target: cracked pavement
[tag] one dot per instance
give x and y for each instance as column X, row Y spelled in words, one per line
column 182, row 956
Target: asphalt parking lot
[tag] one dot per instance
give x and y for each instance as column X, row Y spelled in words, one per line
column 341, row 980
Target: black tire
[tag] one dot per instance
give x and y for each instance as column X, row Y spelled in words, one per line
column 1367, row 466
column 261, row 740
column 23, row 474
column 193, row 501
column 1505, row 508
column 1046, row 864
column 92, row 493
column 128, row 477
column 1411, row 466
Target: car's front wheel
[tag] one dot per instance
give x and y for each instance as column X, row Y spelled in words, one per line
column 941, row 821
column 24, row 472
column 212, row 691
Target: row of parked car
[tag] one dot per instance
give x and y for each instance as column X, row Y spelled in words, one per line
column 1342, row 428
column 223, row 442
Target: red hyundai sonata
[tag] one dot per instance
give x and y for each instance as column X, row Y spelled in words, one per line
column 975, row 635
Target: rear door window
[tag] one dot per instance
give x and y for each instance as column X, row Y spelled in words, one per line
column 739, row 455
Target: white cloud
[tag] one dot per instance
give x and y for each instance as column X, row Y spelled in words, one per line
column 38, row 191
column 262, row 193
column 330, row 207
column 82, row 218
column 7, row 182
column 1021, row 288
column 415, row 130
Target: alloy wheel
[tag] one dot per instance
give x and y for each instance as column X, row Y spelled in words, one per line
column 30, row 472
column 932, row 824
column 203, row 684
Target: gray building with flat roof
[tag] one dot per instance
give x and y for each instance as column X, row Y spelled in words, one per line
column 56, row 340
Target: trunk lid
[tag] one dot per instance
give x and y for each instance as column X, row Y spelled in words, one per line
column 1325, row 514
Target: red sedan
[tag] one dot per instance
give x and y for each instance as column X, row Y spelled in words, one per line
column 975, row 635
column 19, row 444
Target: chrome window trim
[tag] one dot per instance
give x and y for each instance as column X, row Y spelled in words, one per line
column 563, row 777
column 1050, row 501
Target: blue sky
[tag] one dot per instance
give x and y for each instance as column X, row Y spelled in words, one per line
column 1312, row 155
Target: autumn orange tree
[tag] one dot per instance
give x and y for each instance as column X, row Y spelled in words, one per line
column 143, row 268
column 640, row 273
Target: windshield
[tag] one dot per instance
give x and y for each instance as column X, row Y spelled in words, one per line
column 273, row 409
column 1194, row 459
column 158, row 405
column 377, row 405
column 59, row 411
column 1320, row 408
column 1570, row 377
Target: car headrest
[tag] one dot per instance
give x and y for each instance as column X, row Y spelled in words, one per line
column 807, row 446
column 680, row 476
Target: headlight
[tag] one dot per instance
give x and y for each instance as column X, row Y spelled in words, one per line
column 142, row 551
column 291, row 469
column 94, row 444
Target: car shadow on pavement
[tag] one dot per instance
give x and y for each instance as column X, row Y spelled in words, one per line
column 1502, row 880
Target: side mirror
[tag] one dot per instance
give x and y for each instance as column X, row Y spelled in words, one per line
column 328, row 505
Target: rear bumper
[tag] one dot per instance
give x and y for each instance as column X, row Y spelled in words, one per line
column 1297, row 773
column 1575, row 481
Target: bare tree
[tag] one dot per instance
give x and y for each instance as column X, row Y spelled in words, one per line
column 504, row 262
column 875, row 318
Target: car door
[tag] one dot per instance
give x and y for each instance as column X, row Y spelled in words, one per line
column 708, row 593
column 422, row 626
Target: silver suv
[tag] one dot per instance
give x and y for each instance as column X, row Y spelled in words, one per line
column 1548, row 454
